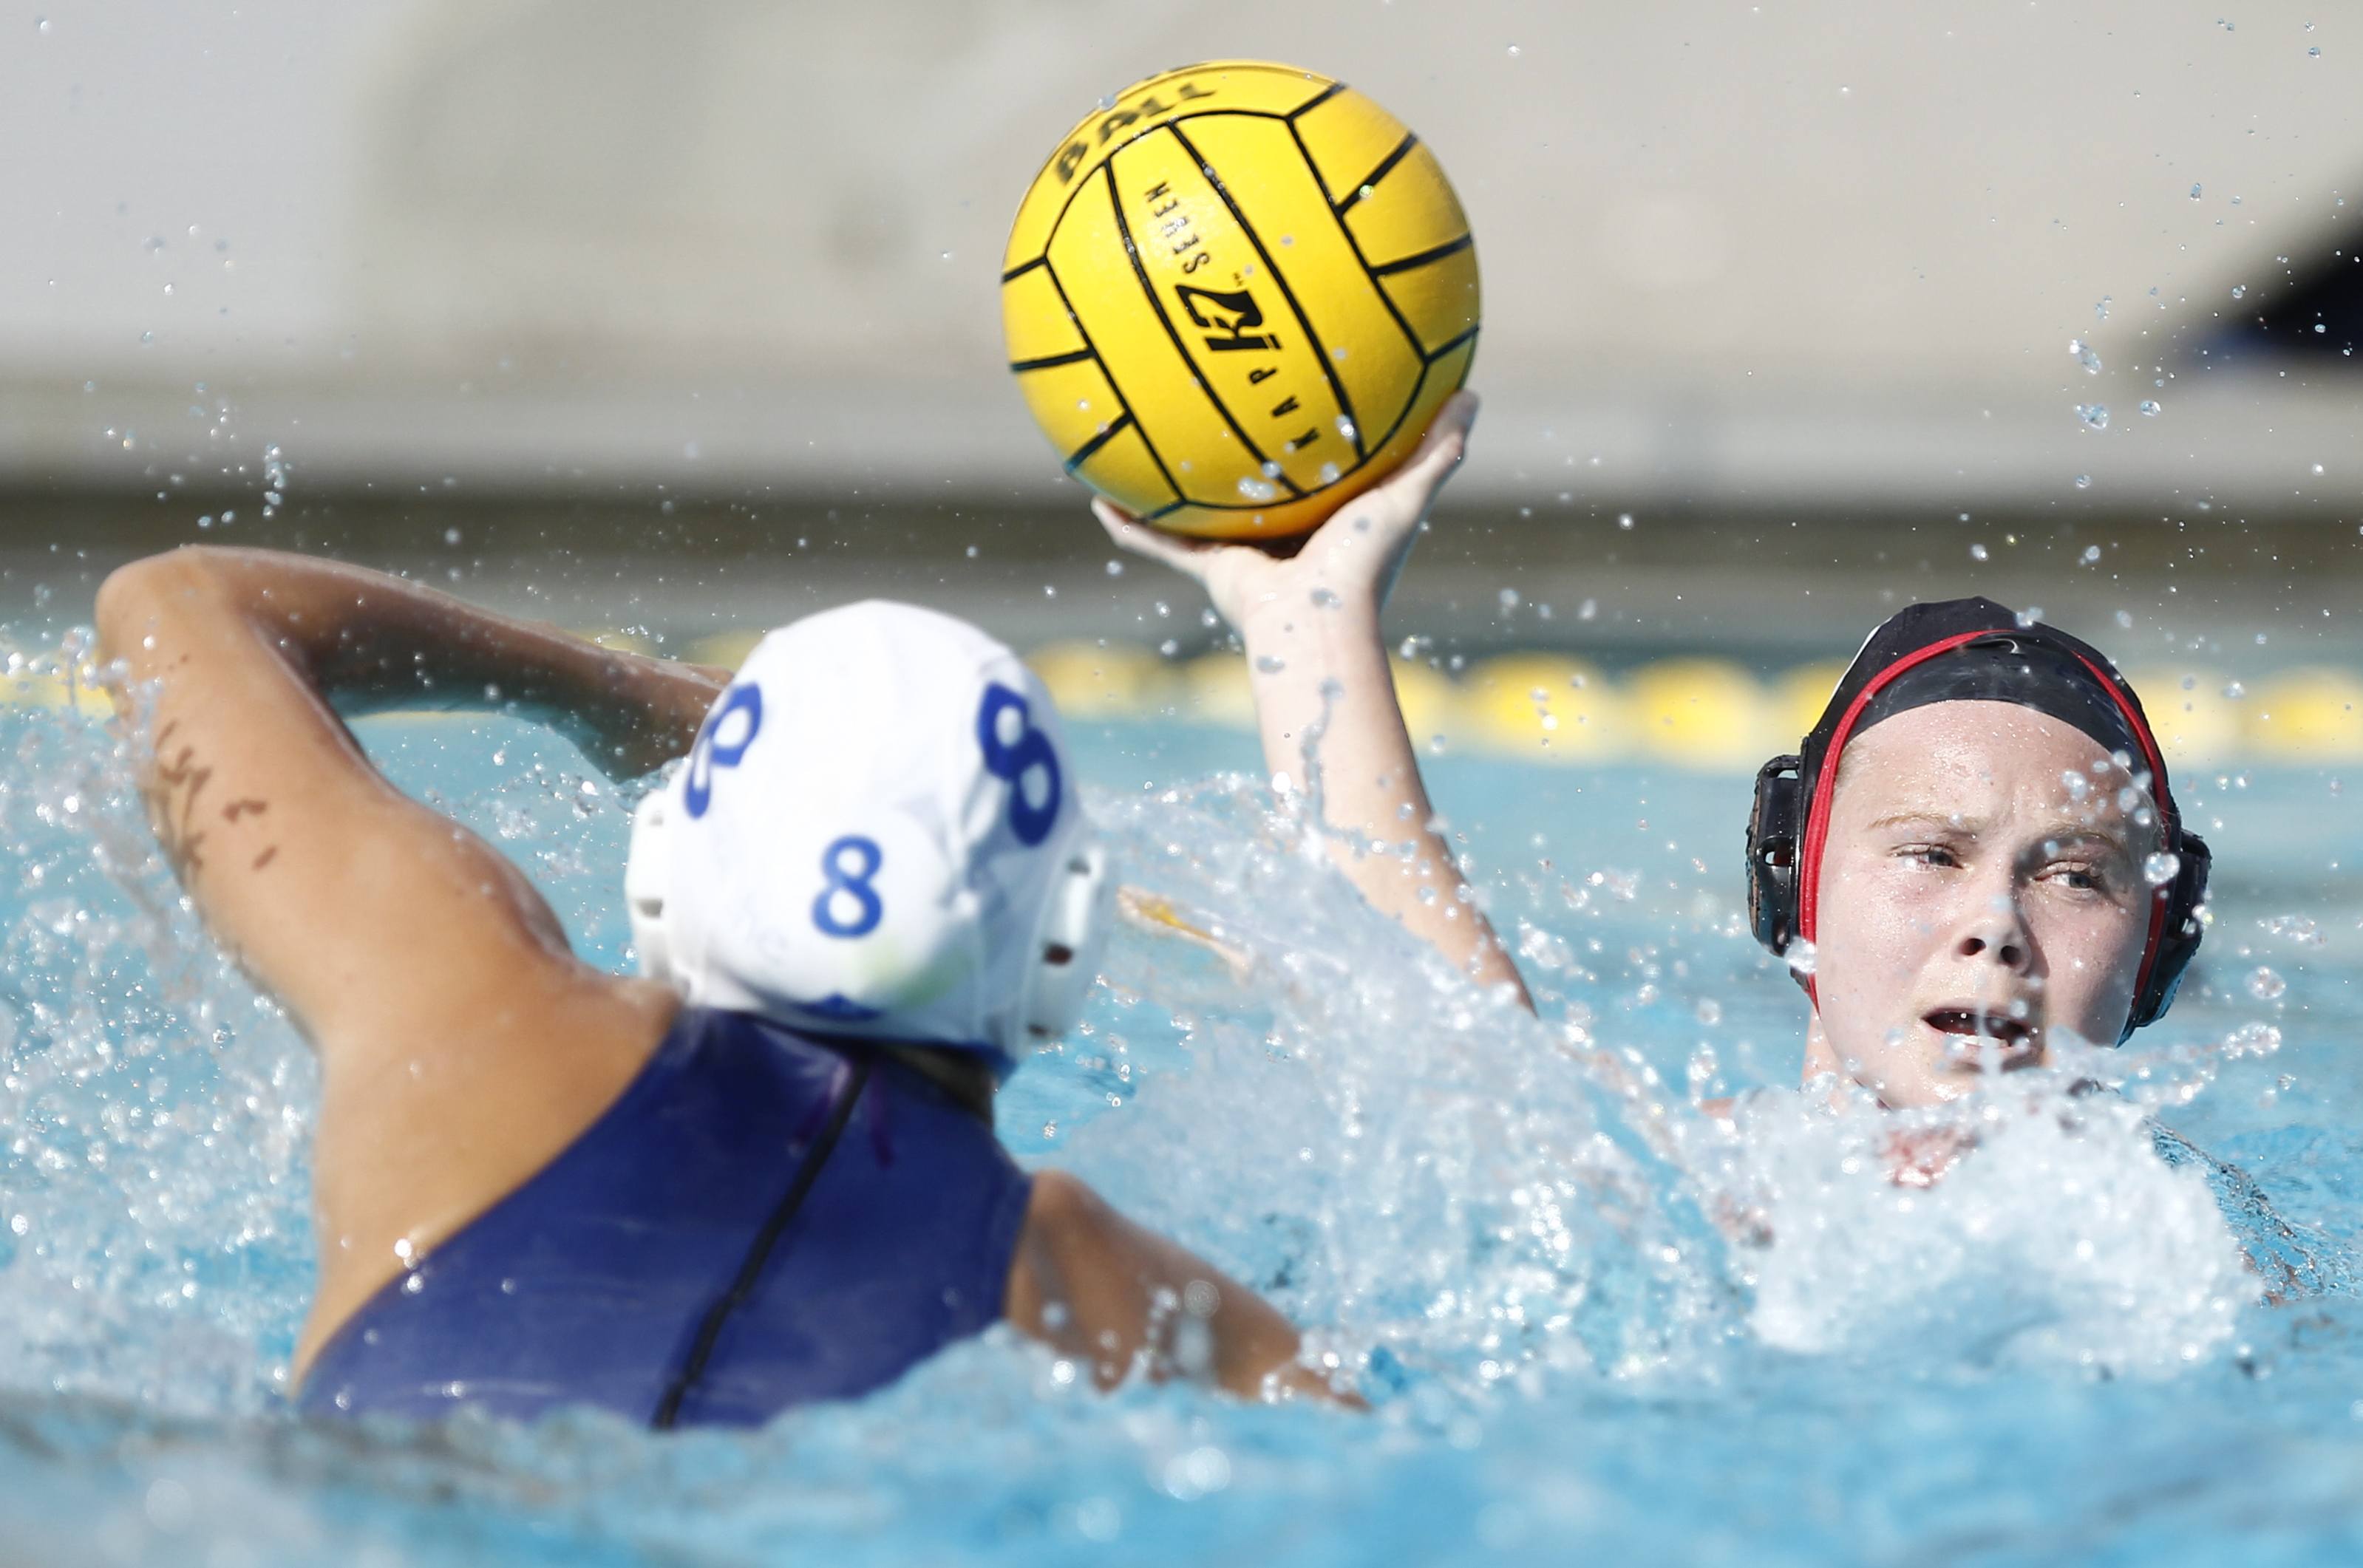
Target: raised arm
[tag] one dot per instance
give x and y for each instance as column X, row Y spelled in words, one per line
column 461, row 1042
column 1326, row 699
column 300, row 858
column 369, row 643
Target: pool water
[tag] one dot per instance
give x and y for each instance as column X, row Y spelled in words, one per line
column 1591, row 1324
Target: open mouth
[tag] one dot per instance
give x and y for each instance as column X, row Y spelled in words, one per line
column 1972, row 1031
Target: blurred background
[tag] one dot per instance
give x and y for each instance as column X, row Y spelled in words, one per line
column 677, row 320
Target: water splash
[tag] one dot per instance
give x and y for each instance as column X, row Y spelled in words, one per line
column 1507, row 1230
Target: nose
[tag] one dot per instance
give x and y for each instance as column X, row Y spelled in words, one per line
column 1997, row 933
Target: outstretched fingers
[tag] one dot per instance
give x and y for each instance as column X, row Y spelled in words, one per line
column 1440, row 450
column 1183, row 555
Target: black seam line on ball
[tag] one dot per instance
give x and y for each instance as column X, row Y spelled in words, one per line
column 1051, row 361
column 1316, row 101
column 759, row 1250
column 1369, row 182
column 1107, row 373
column 1025, row 267
column 1089, row 449
column 1156, row 309
column 1107, row 156
column 1449, row 348
column 1320, row 351
column 1419, row 386
column 1356, row 246
column 1414, row 262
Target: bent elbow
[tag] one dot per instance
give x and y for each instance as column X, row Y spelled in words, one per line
column 136, row 596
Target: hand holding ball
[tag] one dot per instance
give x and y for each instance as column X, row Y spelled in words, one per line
column 1236, row 297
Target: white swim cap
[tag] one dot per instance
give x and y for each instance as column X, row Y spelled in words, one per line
column 876, row 835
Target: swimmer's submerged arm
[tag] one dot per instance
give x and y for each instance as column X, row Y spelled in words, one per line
column 1101, row 1290
column 1319, row 665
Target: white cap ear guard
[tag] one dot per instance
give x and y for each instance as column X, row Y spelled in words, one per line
column 1075, row 919
column 646, row 871
column 876, row 835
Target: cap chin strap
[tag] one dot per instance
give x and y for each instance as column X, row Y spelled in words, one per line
column 1070, row 933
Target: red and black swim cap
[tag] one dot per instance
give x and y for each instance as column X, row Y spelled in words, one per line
column 1968, row 650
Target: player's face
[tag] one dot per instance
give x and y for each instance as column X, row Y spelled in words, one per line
column 1983, row 890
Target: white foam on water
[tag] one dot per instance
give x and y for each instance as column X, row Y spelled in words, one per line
column 2054, row 1235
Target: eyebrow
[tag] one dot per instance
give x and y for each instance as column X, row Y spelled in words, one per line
column 2058, row 832
column 2065, row 834
column 1948, row 821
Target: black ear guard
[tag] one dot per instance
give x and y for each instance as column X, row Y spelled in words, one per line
column 2178, row 940
column 1776, row 830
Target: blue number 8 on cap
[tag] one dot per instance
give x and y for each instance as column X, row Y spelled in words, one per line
column 1012, row 762
column 709, row 754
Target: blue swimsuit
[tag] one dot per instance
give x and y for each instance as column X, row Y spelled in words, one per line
column 763, row 1219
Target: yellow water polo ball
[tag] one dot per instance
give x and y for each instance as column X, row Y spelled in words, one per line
column 1235, row 296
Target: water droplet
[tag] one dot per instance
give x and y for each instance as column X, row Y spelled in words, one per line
column 2149, row 407
column 1272, row 470
column 2194, row 191
column 1256, row 490
column 2313, row 51
column 2083, row 482
column 1328, row 473
column 1801, row 957
column 1509, row 597
column 2095, row 414
column 2161, row 868
column 2091, row 554
column 1325, row 599
column 1587, row 610
column 1115, row 569
column 2100, row 310
column 2239, row 290
column 2076, row 784
column 2234, row 690
column 2266, row 986
column 40, row 25
column 2030, row 615
column 451, row 535
column 943, row 256
column 1976, row 552
column 2086, row 355
column 1624, row 521
column 1270, row 664
column 1346, row 428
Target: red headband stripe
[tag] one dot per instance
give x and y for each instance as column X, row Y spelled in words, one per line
column 1817, row 820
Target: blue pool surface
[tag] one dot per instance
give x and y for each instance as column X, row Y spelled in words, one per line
column 1516, row 1235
